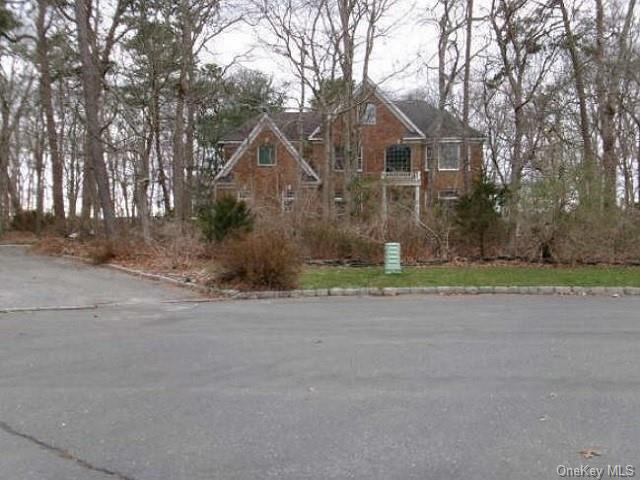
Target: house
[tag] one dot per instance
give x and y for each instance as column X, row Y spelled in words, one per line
column 409, row 146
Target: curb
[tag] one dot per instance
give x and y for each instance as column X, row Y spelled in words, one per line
column 156, row 277
column 443, row 290
column 231, row 294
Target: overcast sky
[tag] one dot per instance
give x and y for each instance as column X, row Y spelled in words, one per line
column 402, row 54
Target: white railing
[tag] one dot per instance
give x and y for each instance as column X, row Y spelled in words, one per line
column 401, row 177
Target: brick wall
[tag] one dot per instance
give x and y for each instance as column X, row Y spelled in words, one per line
column 265, row 183
column 268, row 182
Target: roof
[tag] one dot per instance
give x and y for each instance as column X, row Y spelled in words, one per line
column 287, row 123
column 425, row 116
column 420, row 118
column 265, row 121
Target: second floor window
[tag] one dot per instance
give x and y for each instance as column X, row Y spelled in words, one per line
column 398, row 158
column 369, row 114
column 267, row 155
column 449, row 158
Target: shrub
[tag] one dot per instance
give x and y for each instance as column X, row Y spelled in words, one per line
column 224, row 217
column 322, row 240
column 477, row 213
column 261, row 260
column 102, row 252
column 27, row 221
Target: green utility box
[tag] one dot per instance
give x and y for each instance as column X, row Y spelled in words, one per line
column 392, row 258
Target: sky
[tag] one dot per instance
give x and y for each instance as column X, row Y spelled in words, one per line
column 398, row 60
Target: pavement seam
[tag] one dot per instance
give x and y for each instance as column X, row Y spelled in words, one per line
column 62, row 453
column 96, row 306
column 48, row 309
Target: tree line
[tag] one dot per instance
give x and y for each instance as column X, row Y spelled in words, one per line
column 114, row 109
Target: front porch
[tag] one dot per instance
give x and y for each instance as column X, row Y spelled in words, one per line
column 401, row 179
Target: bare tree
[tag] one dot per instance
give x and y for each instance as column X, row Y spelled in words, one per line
column 57, row 167
column 95, row 59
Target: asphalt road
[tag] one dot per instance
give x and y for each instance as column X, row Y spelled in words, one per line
column 481, row 387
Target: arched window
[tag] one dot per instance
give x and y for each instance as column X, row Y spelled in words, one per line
column 369, row 114
column 398, row 158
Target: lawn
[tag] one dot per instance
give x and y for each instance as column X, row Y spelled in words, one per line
column 478, row 275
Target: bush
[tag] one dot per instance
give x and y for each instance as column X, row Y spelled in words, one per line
column 102, row 252
column 261, row 260
column 224, row 217
column 477, row 213
column 322, row 240
column 27, row 221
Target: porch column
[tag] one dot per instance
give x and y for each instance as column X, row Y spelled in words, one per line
column 384, row 200
column 416, row 206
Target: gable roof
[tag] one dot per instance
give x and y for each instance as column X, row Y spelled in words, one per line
column 413, row 130
column 287, row 122
column 426, row 117
column 263, row 122
column 420, row 118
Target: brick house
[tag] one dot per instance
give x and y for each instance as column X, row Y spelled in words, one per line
column 409, row 146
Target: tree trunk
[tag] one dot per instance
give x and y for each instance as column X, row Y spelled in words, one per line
column 189, row 156
column 327, row 183
column 466, row 94
column 179, row 143
column 345, row 7
column 585, row 123
column 57, row 170
column 162, row 176
column 141, row 188
column 39, row 165
column 92, row 86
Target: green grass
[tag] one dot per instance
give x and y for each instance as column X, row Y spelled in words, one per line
column 588, row 276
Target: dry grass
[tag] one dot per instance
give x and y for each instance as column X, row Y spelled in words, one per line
column 13, row 237
column 170, row 252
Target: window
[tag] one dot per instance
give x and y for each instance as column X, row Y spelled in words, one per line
column 449, row 158
column 398, row 158
column 428, row 161
column 244, row 195
column 288, row 198
column 267, row 155
column 448, row 198
column 339, row 158
column 338, row 204
column 369, row 114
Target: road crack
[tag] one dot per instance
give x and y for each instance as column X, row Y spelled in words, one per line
column 62, row 453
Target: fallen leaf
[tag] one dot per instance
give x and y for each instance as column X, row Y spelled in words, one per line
column 590, row 453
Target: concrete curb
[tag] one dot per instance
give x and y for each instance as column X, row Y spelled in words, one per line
column 157, row 277
column 443, row 290
column 377, row 291
column 228, row 293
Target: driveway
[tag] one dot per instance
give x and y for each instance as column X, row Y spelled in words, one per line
column 477, row 387
column 30, row 281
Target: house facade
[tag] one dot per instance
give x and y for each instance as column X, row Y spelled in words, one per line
column 408, row 146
